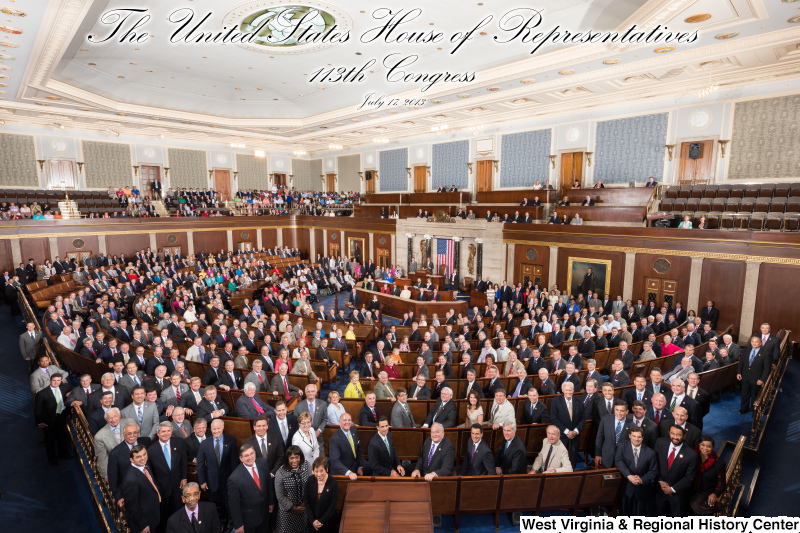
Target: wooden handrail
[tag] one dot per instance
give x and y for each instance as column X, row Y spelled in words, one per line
column 762, row 406
column 729, row 500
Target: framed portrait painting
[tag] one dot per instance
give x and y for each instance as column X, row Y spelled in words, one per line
column 586, row 275
column 355, row 249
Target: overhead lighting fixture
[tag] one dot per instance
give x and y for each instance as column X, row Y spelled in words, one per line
column 439, row 128
column 709, row 90
column 111, row 132
column 380, row 141
column 58, row 125
column 300, row 153
column 259, row 153
column 236, row 145
column 477, row 127
column 335, row 146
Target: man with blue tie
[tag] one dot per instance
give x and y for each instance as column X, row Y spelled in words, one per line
column 753, row 371
column 611, row 434
column 167, row 459
column 216, row 459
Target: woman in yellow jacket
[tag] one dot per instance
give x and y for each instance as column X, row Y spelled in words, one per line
column 353, row 389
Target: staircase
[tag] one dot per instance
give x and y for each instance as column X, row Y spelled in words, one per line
column 161, row 210
column 69, row 209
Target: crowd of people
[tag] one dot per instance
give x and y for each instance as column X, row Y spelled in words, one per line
column 12, row 211
column 151, row 302
column 282, row 200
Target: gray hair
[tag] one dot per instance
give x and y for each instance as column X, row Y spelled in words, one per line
column 434, row 424
column 217, row 421
column 189, row 485
column 448, row 390
column 249, row 385
column 111, row 411
column 567, row 384
column 165, row 424
column 512, row 424
column 200, row 422
column 107, row 375
column 382, row 374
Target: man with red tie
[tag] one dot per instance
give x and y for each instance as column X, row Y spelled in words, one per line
column 677, row 467
column 368, row 416
column 250, row 405
column 280, row 386
column 770, row 344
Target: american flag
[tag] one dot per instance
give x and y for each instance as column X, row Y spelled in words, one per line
column 445, row 251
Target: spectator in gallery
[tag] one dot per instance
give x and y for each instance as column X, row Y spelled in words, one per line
column 651, row 182
column 577, row 221
column 687, row 222
column 599, row 185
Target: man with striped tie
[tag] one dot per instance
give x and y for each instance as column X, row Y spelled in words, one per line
column 613, row 432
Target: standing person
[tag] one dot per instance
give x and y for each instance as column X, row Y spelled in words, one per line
column 216, row 459
column 567, row 414
column 753, row 370
column 250, row 493
column 51, row 415
column 195, row 516
column 290, row 484
column 638, row 463
column 677, row 468
column 30, row 343
column 142, row 497
column 321, row 497
column 166, row 457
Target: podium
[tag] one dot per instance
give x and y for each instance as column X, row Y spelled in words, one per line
column 388, row 507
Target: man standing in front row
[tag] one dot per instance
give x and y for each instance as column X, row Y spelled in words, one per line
column 195, row 516
column 754, row 368
column 639, row 465
column 677, row 468
column 438, row 455
column 250, row 493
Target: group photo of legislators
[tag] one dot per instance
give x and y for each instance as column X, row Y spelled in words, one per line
column 542, row 266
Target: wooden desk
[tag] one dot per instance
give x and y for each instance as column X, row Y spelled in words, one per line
column 617, row 195
column 446, row 296
column 396, row 306
column 438, row 281
column 387, row 507
column 600, row 213
column 451, row 198
column 516, row 197
column 386, row 198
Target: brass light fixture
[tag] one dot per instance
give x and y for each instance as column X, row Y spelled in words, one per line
column 210, row 173
column 166, row 172
column 469, row 166
column 496, row 165
column 722, row 144
column 589, row 158
column 80, row 166
column 235, row 175
column 375, row 173
column 553, row 160
column 670, row 147
column 428, row 169
column 408, row 169
column 135, row 170
column 41, row 164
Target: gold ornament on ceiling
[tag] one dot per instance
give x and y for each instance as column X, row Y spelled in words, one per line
column 700, row 17
column 463, row 95
column 611, row 61
column 567, row 72
column 493, row 89
column 12, row 11
column 437, row 101
column 8, row 44
column 664, row 50
column 10, row 29
column 528, row 80
column 724, row 36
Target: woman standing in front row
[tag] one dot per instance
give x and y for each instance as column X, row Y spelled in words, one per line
column 321, row 497
column 290, row 484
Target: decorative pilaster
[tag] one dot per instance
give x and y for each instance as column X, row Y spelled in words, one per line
column 324, row 243
column 260, row 241
column 153, row 244
column 189, row 242
column 101, row 243
column 457, row 256
column 696, row 273
column 410, row 238
column 479, row 259
column 510, row 263
column 749, row 300
column 230, row 239
column 552, row 272
column 370, row 255
column 312, row 242
column 16, row 253
column 627, row 286
column 279, row 236
column 53, row 247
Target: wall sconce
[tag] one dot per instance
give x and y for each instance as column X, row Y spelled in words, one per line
column 375, row 173
column 210, row 173
column 166, row 172
column 589, row 157
column 669, row 149
column 496, row 165
column 336, row 178
column 235, row 175
column 361, row 176
column 722, row 144
column 469, row 166
column 41, row 164
column 553, row 160
column 291, row 179
column 322, row 177
column 135, row 170
column 428, row 169
column 80, row 166
column 408, row 169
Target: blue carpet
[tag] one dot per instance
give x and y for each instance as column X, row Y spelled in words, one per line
column 36, row 496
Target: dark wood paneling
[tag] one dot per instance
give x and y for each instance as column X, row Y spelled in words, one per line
column 6, row 260
column 162, row 240
column 269, row 238
column 290, row 237
column 680, row 271
column 723, row 282
column 542, row 258
column 127, row 244
column 599, row 213
column 37, row 248
column 459, row 198
column 776, row 299
column 386, row 198
column 516, row 197
column 91, row 244
column 304, row 240
column 617, row 274
column 356, row 235
column 406, row 211
column 210, row 241
column 617, row 195
column 387, row 245
column 319, row 243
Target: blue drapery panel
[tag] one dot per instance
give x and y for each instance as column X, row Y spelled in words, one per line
column 392, row 171
column 449, row 164
column 525, row 158
column 630, row 149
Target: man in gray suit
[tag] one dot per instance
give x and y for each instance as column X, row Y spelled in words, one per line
column 145, row 414
column 611, row 434
column 30, row 344
column 681, row 372
column 108, row 438
column 401, row 413
column 318, row 409
column 40, row 379
column 80, row 395
column 258, row 377
column 170, row 395
column 383, row 389
column 132, row 378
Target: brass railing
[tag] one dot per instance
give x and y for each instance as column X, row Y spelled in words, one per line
column 762, row 406
column 729, row 500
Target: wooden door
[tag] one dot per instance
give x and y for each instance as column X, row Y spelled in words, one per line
column 369, row 184
column 222, row 184
column 384, row 257
column 330, row 182
column 483, row 175
column 280, row 179
column 532, row 273
column 571, row 169
column 148, row 174
column 697, row 170
column 660, row 290
column 420, row 178
column 60, row 174
column 333, row 249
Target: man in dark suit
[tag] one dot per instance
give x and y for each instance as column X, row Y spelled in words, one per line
column 210, row 407
column 141, row 494
column 770, row 344
column 437, row 457
column 195, row 516
column 534, row 411
column 611, row 434
column 250, row 498
column 710, row 314
column 50, row 409
column 753, row 369
column 264, row 441
column 638, row 418
column 419, row 391
column 383, row 458
column 216, row 459
column 567, row 414
column 639, row 465
column 119, row 459
column 680, row 417
column 283, row 425
column 618, row 377
column 677, row 467
column 169, row 469
column 511, row 456
column 344, row 450
column 478, row 459
column 638, row 392
column 368, row 416
column 197, row 437
column 444, row 411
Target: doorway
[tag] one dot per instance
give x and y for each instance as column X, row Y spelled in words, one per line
column 148, row 174
column 330, row 182
column 420, row 178
column 571, row 169
column 333, row 249
column 60, row 174
column 222, row 184
column 660, row 291
column 280, row 180
column 384, row 257
column 483, row 175
column 369, row 182
column 532, row 273
column 697, row 170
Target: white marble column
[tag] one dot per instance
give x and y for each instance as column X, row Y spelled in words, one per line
column 324, row 243
column 371, row 247
column 749, row 300
column 279, row 236
column 343, row 245
column 312, row 244
column 153, row 245
column 510, row 263
column 53, row 247
column 16, row 254
column 627, row 285
column 393, row 241
column 190, row 243
column 259, row 240
column 551, row 276
column 695, row 276
column 230, row 239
